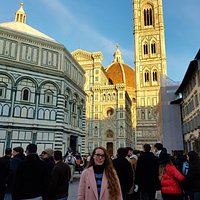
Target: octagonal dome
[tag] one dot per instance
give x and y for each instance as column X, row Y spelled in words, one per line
column 119, row 72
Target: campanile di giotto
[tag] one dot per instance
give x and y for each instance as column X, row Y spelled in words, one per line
column 150, row 64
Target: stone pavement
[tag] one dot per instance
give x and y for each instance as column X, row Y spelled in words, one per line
column 73, row 187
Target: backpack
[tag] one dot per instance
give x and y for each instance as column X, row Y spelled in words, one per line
column 70, row 160
column 185, row 168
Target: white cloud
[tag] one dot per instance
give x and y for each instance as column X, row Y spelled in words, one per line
column 70, row 23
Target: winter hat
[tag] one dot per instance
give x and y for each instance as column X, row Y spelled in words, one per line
column 49, row 151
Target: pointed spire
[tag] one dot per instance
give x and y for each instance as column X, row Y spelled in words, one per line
column 20, row 15
column 118, row 55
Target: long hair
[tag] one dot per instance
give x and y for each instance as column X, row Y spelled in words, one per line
column 164, row 160
column 110, row 173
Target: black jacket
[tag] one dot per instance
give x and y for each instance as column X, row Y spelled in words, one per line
column 4, row 171
column 192, row 179
column 59, row 181
column 124, row 172
column 14, row 163
column 146, row 176
column 31, row 178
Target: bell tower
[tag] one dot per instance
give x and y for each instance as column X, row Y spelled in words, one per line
column 150, row 64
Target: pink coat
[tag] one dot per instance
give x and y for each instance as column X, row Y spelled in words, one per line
column 88, row 188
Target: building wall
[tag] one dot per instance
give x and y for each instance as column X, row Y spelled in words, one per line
column 191, row 110
column 41, row 93
column 170, row 117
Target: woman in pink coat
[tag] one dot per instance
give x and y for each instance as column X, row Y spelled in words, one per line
column 99, row 180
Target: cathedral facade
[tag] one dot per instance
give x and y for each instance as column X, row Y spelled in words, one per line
column 42, row 99
column 110, row 102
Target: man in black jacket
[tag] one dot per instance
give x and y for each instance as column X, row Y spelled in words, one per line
column 146, row 176
column 17, row 157
column 124, row 171
column 4, row 171
column 59, row 178
column 31, row 179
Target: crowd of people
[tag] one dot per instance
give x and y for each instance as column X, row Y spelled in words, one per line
column 33, row 176
column 150, row 174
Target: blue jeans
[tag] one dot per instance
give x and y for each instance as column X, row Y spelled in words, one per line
column 8, row 196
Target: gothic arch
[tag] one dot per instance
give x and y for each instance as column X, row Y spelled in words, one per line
column 148, row 14
column 154, row 75
column 145, row 47
column 146, row 75
column 153, row 46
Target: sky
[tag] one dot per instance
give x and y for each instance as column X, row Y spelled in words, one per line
column 95, row 25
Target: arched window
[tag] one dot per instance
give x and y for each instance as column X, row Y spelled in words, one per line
column 148, row 17
column 25, row 94
column 145, row 48
column 2, row 90
column 74, row 107
column 48, row 97
column 121, row 130
column 142, row 114
column 95, row 130
column 66, row 101
column 146, row 76
column 67, row 97
column 155, row 76
column 153, row 48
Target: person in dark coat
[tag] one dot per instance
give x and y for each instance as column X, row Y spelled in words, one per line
column 192, row 180
column 59, row 179
column 4, row 171
column 47, row 157
column 31, row 180
column 159, row 150
column 18, row 157
column 124, row 171
column 146, row 177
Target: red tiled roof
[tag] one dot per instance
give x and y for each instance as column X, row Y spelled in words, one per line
column 121, row 73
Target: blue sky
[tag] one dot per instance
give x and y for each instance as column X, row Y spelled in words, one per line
column 95, row 25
